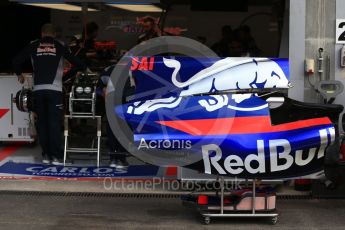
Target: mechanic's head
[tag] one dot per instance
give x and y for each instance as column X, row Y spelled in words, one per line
column 148, row 23
column 48, row 30
column 91, row 30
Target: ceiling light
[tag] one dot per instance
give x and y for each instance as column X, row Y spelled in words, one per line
column 67, row 7
column 137, row 7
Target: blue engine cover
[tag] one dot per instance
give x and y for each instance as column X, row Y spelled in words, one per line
column 232, row 132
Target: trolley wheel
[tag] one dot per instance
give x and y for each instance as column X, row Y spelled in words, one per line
column 274, row 220
column 207, row 220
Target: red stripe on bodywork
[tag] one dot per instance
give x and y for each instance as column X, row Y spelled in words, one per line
column 3, row 112
column 9, row 150
column 239, row 125
column 171, row 171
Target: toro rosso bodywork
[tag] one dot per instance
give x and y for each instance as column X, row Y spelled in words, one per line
column 232, row 112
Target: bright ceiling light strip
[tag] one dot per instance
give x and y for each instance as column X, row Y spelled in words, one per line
column 66, row 7
column 137, row 7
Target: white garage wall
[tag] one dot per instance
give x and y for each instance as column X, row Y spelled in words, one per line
column 339, row 72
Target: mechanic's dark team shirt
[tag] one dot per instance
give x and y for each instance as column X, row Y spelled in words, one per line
column 47, row 56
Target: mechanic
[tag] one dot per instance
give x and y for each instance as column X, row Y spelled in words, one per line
column 151, row 29
column 83, row 46
column 47, row 57
column 243, row 34
column 221, row 48
column 116, row 151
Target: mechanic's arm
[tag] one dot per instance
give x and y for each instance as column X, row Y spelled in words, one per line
column 73, row 59
column 19, row 60
column 101, row 88
column 102, row 84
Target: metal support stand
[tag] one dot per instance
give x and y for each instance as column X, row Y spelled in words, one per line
column 83, row 150
column 235, row 213
column 72, row 100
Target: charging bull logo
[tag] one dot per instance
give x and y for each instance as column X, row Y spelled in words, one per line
column 231, row 74
column 225, row 74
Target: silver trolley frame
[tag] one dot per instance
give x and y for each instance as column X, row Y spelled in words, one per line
column 83, row 115
column 207, row 215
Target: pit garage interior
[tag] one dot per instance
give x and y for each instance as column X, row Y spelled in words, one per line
column 85, row 192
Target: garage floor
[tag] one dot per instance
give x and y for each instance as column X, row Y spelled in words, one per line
column 63, row 205
column 43, row 211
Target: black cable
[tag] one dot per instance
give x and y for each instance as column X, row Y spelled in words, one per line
column 164, row 13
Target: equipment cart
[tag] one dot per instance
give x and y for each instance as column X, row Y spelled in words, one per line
column 248, row 203
column 82, row 105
